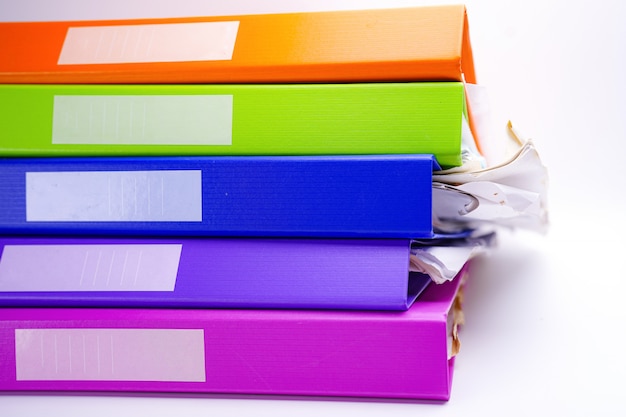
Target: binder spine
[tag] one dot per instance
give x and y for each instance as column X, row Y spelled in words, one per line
column 375, row 196
column 243, row 49
column 215, row 272
column 271, row 119
column 372, row 354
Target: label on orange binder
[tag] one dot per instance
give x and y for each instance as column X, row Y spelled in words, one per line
column 171, row 42
column 142, row 120
column 110, row 355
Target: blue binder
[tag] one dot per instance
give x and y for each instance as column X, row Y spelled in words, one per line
column 386, row 196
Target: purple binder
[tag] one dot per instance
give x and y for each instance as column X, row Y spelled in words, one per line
column 386, row 354
column 208, row 272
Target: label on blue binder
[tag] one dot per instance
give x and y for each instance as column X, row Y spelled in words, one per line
column 142, row 120
column 89, row 268
column 109, row 196
column 110, row 355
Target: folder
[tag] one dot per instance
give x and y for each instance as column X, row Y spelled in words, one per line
column 367, row 274
column 369, row 118
column 384, row 354
column 402, row 44
column 371, row 196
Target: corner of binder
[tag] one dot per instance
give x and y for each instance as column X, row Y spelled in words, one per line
column 436, row 165
column 467, row 57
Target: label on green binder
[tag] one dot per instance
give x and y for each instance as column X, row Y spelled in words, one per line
column 142, row 119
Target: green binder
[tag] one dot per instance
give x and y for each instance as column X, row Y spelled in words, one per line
column 283, row 119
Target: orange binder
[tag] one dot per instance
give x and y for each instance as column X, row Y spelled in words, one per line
column 405, row 44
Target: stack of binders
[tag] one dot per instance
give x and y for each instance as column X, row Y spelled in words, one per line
column 228, row 204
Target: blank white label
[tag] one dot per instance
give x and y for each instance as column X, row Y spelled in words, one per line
column 110, row 355
column 89, row 268
column 169, row 42
column 125, row 196
column 143, row 120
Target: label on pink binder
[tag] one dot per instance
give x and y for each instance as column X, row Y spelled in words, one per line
column 89, row 268
column 110, row 355
column 167, row 42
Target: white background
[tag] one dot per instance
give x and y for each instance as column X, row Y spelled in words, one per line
column 545, row 323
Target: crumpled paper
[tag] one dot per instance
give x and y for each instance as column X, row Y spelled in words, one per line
column 512, row 194
column 443, row 259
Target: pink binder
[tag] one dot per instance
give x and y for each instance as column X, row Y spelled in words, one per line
column 387, row 354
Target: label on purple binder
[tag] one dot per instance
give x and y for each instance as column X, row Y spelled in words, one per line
column 163, row 355
column 89, row 268
column 143, row 120
column 166, row 42
column 103, row 196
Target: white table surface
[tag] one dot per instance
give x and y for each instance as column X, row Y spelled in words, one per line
column 545, row 332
